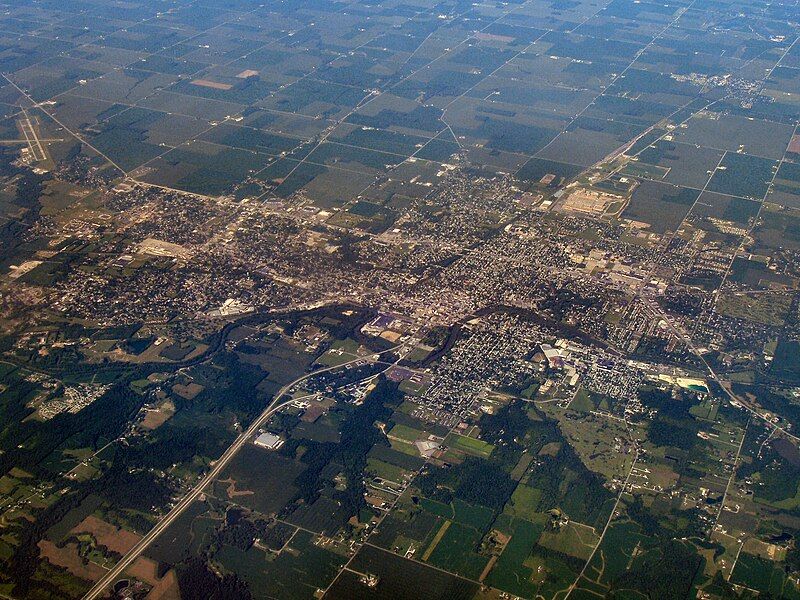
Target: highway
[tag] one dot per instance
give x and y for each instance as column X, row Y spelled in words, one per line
column 217, row 468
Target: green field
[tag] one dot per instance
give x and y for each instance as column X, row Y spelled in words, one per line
column 385, row 470
column 524, row 502
column 474, row 516
column 469, row 445
column 406, row 433
column 296, row 573
column 512, row 573
column 767, row 309
column 340, row 352
column 760, row 574
column 573, row 539
column 455, row 552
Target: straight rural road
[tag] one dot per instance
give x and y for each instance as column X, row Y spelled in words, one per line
column 117, row 570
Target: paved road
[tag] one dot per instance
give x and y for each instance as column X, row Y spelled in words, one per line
column 274, row 406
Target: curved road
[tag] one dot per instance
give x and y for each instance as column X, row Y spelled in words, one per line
column 274, row 406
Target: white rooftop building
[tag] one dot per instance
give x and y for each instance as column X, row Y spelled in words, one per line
column 269, row 441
